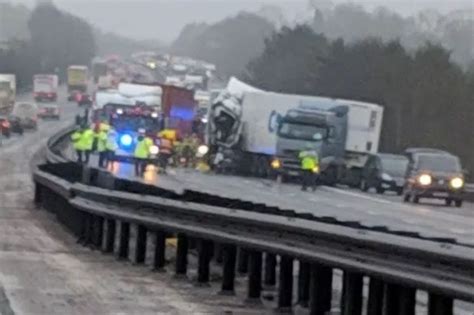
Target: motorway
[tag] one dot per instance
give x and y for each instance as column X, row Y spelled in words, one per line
column 430, row 218
column 44, row 271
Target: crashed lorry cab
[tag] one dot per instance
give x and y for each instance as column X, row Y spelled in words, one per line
column 265, row 131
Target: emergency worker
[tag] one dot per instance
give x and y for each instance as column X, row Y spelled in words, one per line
column 310, row 168
column 142, row 152
column 111, row 146
column 101, row 146
column 87, row 140
column 166, row 150
column 77, row 143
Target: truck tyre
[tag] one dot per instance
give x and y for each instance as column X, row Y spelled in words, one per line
column 380, row 190
column 448, row 202
column 363, row 185
column 458, row 203
column 331, row 176
column 406, row 197
column 416, row 199
column 399, row 191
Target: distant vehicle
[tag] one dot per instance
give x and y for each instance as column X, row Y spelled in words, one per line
column 45, row 87
column 384, row 172
column 5, row 127
column 7, row 92
column 99, row 69
column 26, row 114
column 49, row 111
column 83, row 99
column 434, row 174
column 77, row 80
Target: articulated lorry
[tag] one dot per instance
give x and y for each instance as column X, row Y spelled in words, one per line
column 265, row 131
column 7, row 92
column 45, row 87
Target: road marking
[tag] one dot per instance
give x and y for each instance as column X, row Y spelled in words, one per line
column 358, row 195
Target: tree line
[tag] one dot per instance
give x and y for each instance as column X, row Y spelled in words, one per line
column 56, row 40
column 428, row 99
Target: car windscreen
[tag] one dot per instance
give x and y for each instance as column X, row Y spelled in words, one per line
column 135, row 122
column 438, row 162
column 394, row 166
column 302, row 132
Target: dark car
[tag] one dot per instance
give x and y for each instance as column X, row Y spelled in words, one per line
column 9, row 126
column 84, row 100
column 384, row 172
column 434, row 174
column 49, row 111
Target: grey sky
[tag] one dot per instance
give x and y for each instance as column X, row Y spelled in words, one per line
column 163, row 19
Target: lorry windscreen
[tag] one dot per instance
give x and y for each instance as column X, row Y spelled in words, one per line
column 302, row 132
column 135, row 122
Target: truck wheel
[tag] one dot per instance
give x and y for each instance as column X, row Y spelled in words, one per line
column 448, row 202
column 363, row 185
column 416, row 199
column 380, row 190
column 406, row 198
column 331, row 176
column 458, row 203
column 399, row 191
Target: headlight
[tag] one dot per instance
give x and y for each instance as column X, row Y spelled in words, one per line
column 154, row 115
column 457, row 182
column 424, row 179
column 202, row 150
column 316, row 169
column 154, row 150
column 276, row 164
column 387, row 177
column 119, row 111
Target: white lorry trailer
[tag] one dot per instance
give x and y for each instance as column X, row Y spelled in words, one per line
column 45, row 87
column 263, row 127
column 7, row 92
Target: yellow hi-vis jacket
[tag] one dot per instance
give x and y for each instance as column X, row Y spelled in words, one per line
column 101, row 137
column 76, row 140
column 142, row 149
column 87, row 139
column 309, row 160
column 111, row 144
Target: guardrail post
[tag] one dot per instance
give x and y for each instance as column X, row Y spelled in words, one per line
column 400, row 300
column 228, row 277
column 110, row 236
column 98, row 231
column 140, row 245
column 205, row 250
column 159, row 258
column 320, row 289
column 270, row 273
column 182, row 255
column 351, row 300
column 123, row 241
column 375, row 303
column 439, row 305
column 285, row 289
column 303, row 283
column 243, row 261
column 255, row 275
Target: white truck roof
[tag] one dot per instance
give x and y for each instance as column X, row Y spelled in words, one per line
column 132, row 90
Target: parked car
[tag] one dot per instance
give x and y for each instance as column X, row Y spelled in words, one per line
column 434, row 174
column 384, row 172
column 49, row 111
column 27, row 115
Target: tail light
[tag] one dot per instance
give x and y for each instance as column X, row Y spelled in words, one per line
column 5, row 124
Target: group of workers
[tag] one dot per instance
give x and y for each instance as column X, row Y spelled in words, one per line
column 101, row 139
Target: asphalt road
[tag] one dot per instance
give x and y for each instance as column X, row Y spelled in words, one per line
column 44, row 271
column 430, row 218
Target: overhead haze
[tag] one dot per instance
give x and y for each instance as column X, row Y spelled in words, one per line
column 164, row 19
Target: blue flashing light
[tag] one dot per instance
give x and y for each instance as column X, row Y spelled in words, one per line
column 126, row 140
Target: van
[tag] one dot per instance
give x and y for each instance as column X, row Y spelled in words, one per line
column 26, row 114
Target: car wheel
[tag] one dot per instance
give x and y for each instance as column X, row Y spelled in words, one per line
column 458, row 203
column 363, row 185
column 380, row 190
column 448, row 202
column 416, row 199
